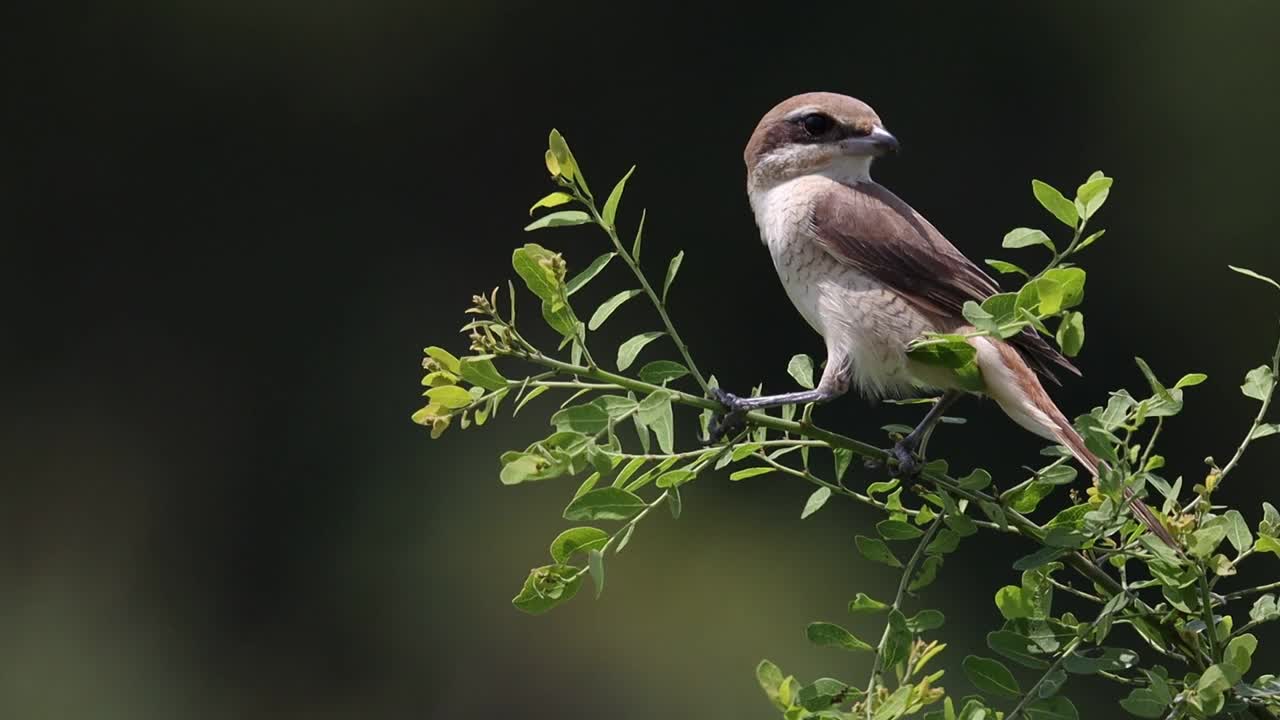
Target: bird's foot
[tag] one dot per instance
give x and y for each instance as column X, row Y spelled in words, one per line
column 908, row 464
column 729, row 420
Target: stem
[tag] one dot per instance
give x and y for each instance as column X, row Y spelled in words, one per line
column 1031, row 692
column 1257, row 420
column 1206, row 607
column 1251, row 591
column 658, row 304
column 1021, row 523
column 907, row 573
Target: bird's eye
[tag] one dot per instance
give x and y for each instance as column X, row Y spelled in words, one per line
column 816, row 124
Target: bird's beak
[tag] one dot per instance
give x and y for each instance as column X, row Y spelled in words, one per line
column 879, row 142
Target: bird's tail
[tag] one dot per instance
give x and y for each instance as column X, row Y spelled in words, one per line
column 1017, row 390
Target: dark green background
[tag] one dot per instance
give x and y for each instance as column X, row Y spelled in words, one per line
column 230, row 228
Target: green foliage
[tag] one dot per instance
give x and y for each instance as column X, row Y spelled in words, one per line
column 617, row 432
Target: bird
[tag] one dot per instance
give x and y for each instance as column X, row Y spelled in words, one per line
column 870, row 274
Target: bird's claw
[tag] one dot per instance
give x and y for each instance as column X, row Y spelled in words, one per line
column 728, row 420
column 908, row 464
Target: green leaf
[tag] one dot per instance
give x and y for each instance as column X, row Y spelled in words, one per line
column 655, row 413
column 611, row 204
column 552, row 200
column 661, row 371
column 1264, row 430
column 1267, row 544
column 1091, row 239
column 991, row 676
column 607, row 307
column 895, row 705
column 1070, row 335
column 862, row 603
column 607, row 503
column 830, row 635
column 1258, row 383
column 444, row 357
column 1092, row 195
column 976, row 480
column 1006, row 268
column 1144, row 703
column 628, row 351
column 841, row 457
column 635, row 246
column 927, row 574
column 450, row 396
column 1190, row 379
column 1249, row 273
column 1238, row 531
column 595, row 566
column 1025, row 237
column 535, row 265
column 875, row 549
column 1265, row 609
column 479, row 370
column 1039, row 558
column 1018, row 648
column 581, row 279
column 675, row 478
column 801, row 369
column 1205, row 540
column 815, row 502
column 1053, row 201
column 586, row 419
column 1092, row 660
column 574, row 540
column 1012, row 603
column 926, row 620
column 897, row 530
column 672, row 268
column 749, row 473
column 979, row 318
column 1239, row 653
column 1054, row 708
column 547, row 587
column 560, row 218
column 770, row 678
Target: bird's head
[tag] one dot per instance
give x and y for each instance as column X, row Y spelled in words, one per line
column 816, row 133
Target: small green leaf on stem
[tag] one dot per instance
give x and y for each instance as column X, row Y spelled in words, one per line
column 991, row 676
column 577, row 282
column 1053, row 201
column 830, row 635
column 611, row 204
column 876, row 550
column 628, row 351
column 1025, row 237
column 1256, row 276
column 672, row 268
column 607, row 503
column 595, row 566
column 800, row 368
column 658, row 372
column 862, row 603
column 552, row 200
column 607, row 307
column 815, row 502
column 560, row 218
column 574, row 540
column 1006, row 268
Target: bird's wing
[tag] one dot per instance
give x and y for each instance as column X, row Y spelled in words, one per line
column 869, row 228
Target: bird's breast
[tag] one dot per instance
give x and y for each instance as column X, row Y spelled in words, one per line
column 865, row 323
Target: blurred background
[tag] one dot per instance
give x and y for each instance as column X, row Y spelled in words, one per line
column 230, row 228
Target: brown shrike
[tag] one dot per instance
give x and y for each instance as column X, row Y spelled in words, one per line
column 870, row 274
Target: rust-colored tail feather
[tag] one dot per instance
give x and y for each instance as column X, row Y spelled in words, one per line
column 1068, row 436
